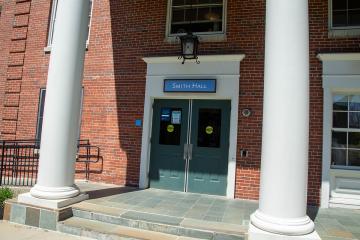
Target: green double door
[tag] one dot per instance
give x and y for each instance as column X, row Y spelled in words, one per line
column 190, row 145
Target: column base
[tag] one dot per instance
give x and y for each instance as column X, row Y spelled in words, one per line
column 54, row 193
column 27, row 198
column 291, row 227
column 258, row 234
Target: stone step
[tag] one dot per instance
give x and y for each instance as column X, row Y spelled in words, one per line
column 160, row 223
column 100, row 230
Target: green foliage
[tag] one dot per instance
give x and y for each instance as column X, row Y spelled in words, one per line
column 5, row 193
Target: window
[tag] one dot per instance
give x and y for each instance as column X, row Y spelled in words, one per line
column 53, row 19
column 345, row 13
column 41, row 113
column 346, row 131
column 198, row 16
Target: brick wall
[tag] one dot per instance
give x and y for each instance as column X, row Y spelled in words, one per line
column 122, row 33
column 6, row 17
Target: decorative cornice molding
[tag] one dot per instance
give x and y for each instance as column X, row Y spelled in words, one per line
column 339, row 56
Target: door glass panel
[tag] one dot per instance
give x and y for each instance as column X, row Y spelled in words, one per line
column 170, row 126
column 209, row 128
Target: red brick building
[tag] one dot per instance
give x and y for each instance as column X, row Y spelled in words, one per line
column 126, row 37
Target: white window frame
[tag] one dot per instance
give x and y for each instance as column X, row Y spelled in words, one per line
column 207, row 36
column 346, row 31
column 53, row 19
column 344, row 130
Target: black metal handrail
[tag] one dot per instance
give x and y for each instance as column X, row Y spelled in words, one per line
column 20, row 160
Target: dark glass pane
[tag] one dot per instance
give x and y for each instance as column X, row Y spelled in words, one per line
column 353, row 4
column 338, row 157
column 191, row 2
column 190, row 14
column 217, row 13
column 340, row 103
column 196, row 27
column 210, row 1
column 340, row 19
column 354, row 103
column 170, row 126
column 178, row 15
column 354, row 140
column 209, row 128
column 210, row 14
column 178, row 2
column 41, row 114
column 339, row 139
column 42, row 103
column 354, row 121
column 354, row 158
column 203, row 13
column 340, row 119
column 339, row 4
column 354, row 18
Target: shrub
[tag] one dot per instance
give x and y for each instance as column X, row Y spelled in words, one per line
column 5, row 193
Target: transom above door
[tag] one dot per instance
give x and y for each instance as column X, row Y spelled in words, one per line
column 190, row 145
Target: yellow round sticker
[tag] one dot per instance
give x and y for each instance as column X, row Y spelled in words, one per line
column 209, row 130
column 170, row 128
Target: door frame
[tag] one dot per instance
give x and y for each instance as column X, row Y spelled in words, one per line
column 224, row 68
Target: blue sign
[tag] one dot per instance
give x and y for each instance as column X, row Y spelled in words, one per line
column 138, row 122
column 190, row 85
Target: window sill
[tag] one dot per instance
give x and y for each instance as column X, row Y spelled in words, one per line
column 346, row 168
column 220, row 37
column 344, row 32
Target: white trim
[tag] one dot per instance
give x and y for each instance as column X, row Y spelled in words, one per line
column 202, row 58
column 52, row 22
column 225, row 68
column 339, row 56
column 341, row 74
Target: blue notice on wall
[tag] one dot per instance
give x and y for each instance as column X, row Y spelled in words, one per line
column 190, row 85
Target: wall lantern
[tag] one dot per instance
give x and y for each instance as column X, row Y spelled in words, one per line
column 189, row 47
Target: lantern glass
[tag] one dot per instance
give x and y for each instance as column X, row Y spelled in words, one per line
column 189, row 46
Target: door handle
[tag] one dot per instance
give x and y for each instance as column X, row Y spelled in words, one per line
column 186, row 149
column 190, row 151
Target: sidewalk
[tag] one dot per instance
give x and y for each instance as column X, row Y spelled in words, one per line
column 9, row 231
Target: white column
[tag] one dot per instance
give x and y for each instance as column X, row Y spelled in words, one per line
column 62, row 103
column 285, row 140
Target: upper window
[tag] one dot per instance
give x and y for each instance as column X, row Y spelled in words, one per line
column 197, row 16
column 346, row 131
column 53, row 19
column 345, row 13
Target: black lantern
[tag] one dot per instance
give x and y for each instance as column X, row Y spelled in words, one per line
column 189, row 47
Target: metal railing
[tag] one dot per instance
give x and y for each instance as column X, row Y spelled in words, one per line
column 20, row 160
